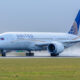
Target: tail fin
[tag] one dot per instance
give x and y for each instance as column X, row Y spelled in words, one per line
column 75, row 27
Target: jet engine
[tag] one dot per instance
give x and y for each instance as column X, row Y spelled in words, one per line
column 55, row 48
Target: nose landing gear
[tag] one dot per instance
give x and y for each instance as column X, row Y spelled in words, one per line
column 3, row 53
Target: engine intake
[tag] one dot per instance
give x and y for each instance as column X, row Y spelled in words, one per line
column 55, row 48
column 51, row 48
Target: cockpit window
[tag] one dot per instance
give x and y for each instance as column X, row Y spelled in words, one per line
column 2, row 38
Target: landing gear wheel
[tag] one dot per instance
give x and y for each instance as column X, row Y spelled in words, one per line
column 29, row 54
column 3, row 53
column 54, row 55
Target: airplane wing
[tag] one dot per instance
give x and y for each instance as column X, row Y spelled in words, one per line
column 66, row 41
column 71, row 41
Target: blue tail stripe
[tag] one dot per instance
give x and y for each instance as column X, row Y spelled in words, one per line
column 78, row 19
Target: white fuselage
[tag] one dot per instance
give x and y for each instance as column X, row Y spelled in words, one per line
column 27, row 40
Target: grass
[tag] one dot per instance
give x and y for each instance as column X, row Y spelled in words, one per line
column 40, row 69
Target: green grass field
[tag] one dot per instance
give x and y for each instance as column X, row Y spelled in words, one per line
column 40, row 69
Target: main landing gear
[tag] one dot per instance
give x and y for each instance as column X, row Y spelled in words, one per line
column 29, row 54
column 54, row 55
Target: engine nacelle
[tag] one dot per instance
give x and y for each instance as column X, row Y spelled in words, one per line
column 55, row 48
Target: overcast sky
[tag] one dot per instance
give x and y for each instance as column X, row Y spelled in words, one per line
column 37, row 15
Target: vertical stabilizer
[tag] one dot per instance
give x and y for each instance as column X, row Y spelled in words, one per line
column 75, row 27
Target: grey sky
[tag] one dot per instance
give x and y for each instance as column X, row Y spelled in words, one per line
column 37, row 15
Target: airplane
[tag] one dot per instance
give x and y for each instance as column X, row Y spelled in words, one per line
column 54, row 43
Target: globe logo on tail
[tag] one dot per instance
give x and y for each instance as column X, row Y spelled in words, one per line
column 74, row 29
